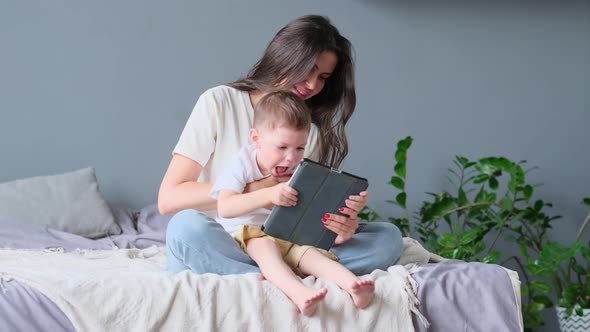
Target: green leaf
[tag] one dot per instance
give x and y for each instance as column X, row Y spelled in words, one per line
column 462, row 197
column 397, row 182
column 506, row 203
column 481, row 179
column 519, row 217
column 543, row 299
column 516, row 175
column 579, row 310
column 569, row 312
column 493, row 183
column 368, row 214
column 479, row 247
column 579, row 269
column 485, row 166
column 400, row 156
column 505, row 164
column 491, row 258
column 392, row 202
column 405, row 143
column 551, row 257
column 447, row 240
column 401, row 199
column 402, row 223
column 400, row 169
column 536, row 307
column 440, row 207
column 512, row 187
column 541, row 286
column 570, row 294
column 468, row 237
column 527, row 191
column 462, row 160
column 491, row 197
column 586, row 201
column 481, row 196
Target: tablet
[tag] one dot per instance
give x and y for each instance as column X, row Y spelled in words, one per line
column 322, row 190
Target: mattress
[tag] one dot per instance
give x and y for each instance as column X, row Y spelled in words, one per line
column 453, row 295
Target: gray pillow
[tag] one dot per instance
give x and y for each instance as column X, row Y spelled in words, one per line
column 69, row 202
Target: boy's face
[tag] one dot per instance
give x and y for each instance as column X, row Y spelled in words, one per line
column 279, row 149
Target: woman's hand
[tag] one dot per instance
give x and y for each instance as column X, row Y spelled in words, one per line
column 357, row 202
column 343, row 226
column 267, row 182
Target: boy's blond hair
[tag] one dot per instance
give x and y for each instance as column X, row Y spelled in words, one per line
column 282, row 108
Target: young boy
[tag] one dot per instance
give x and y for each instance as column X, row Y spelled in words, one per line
column 281, row 126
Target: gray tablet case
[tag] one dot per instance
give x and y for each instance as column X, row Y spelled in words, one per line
column 321, row 190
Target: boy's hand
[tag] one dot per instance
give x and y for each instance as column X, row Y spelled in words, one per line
column 283, row 195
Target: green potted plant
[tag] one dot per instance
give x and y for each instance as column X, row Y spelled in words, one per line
column 568, row 268
column 490, row 199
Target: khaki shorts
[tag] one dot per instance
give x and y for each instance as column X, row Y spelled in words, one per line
column 290, row 252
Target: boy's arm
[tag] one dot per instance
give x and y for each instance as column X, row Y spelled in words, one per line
column 231, row 204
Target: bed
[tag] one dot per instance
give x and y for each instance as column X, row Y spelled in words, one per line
column 53, row 278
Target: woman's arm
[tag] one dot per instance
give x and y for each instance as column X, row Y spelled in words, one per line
column 180, row 190
column 266, row 183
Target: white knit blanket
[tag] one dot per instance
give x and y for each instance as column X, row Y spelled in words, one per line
column 129, row 290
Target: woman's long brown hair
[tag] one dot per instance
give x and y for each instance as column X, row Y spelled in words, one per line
column 290, row 57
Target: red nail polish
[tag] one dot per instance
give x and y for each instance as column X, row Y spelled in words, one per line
column 327, row 215
column 341, row 209
column 324, row 220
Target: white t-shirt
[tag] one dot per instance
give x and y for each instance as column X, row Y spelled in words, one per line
column 219, row 127
column 239, row 172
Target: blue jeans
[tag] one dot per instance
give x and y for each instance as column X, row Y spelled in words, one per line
column 196, row 242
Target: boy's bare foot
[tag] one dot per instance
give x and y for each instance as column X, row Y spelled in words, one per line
column 308, row 302
column 362, row 292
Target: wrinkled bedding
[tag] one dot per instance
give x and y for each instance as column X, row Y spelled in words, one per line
column 483, row 297
column 129, row 290
column 140, row 229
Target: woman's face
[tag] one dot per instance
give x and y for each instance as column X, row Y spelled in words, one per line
column 316, row 79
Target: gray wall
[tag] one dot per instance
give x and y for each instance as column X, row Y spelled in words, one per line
column 110, row 84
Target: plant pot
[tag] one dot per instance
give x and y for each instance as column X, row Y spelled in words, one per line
column 574, row 323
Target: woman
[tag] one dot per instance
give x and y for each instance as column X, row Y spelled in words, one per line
column 309, row 58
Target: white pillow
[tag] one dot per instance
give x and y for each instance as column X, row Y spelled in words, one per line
column 69, row 202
